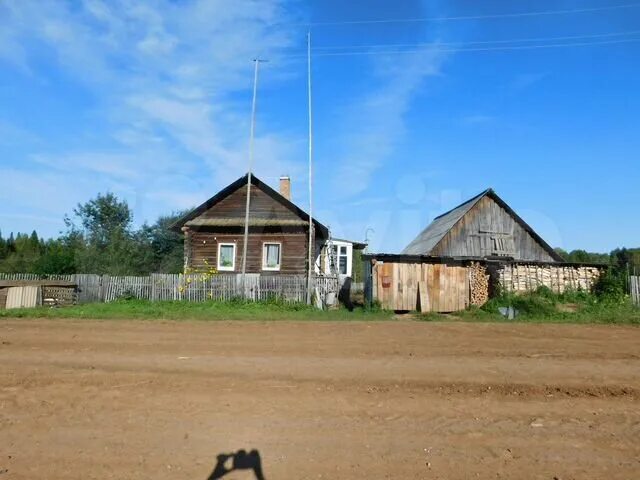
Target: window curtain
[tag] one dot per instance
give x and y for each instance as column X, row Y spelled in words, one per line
column 273, row 256
column 226, row 255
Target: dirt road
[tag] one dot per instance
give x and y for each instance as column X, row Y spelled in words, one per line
column 146, row 400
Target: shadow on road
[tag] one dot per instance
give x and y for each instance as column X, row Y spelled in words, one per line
column 240, row 460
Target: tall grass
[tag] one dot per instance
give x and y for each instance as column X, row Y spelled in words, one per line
column 543, row 305
column 237, row 309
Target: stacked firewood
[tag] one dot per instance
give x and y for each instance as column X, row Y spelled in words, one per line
column 559, row 278
column 479, row 282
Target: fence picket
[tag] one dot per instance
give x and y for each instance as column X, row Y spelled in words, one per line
column 192, row 287
column 634, row 289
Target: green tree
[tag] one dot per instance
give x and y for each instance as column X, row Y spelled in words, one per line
column 102, row 218
column 57, row 258
column 167, row 245
column 3, row 248
column 102, row 237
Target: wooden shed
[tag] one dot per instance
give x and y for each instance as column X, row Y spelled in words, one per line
column 467, row 253
column 25, row 293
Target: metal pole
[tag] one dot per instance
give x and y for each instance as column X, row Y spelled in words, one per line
column 311, row 236
column 246, row 213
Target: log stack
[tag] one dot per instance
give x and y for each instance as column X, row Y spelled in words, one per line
column 523, row 277
column 479, row 284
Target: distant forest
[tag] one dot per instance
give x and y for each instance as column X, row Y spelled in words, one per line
column 100, row 238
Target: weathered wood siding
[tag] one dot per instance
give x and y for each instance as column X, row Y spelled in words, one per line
column 204, row 246
column 421, row 286
column 262, row 206
column 475, row 233
column 202, row 243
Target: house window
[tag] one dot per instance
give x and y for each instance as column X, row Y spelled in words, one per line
column 340, row 259
column 227, row 257
column 271, row 256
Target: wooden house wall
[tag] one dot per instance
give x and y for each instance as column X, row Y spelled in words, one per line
column 421, row 286
column 204, row 246
column 262, row 206
column 467, row 237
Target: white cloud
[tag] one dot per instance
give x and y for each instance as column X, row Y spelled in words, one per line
column 379, row 117
column 169, row 74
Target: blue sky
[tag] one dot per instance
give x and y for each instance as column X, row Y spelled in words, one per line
column 151, row 100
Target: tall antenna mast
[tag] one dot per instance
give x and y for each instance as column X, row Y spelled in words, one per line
column 256, row 63
column 311, row 236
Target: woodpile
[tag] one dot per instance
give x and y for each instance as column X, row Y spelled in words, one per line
column 522, row 277
column 479, row 283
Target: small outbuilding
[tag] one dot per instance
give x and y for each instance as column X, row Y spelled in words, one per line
column 465, row 255
column 35, row 293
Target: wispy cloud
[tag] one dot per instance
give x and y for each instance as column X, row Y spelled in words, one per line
column 380, row 117
column 169, row 73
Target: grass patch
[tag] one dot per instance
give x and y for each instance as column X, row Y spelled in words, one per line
column 545, row 306
column 176, row 310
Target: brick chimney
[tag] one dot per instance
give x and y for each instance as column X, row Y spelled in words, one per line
column 285, row 187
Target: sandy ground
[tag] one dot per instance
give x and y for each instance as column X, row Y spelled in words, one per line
column 125, row 400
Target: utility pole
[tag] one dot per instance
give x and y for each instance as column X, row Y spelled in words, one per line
column 311, row 235
column 256, row 63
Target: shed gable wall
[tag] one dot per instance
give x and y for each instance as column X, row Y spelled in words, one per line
column 487, row 229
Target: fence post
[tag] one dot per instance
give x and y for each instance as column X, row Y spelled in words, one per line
column 104, row 287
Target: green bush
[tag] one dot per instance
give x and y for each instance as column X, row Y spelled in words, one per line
column 611, row 286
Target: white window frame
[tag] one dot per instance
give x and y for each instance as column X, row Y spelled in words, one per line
column 346, row 257
column 233, row 263
column 264, row 257
column 331, row 267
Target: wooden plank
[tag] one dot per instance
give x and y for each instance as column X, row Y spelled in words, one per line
column 423, row 293
column 435, row 290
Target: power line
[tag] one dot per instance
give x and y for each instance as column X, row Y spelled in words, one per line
column 435, row 48
column 472, row 17
column 481, row 42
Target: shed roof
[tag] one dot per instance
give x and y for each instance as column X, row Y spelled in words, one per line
column 190, row 219
column 429, row 238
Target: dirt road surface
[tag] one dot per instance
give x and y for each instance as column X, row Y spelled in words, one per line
column 402, row 400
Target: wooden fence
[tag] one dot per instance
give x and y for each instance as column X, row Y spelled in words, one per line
column 634, row 289
column 193, row 287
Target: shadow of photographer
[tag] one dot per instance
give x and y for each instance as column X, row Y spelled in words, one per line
column 240, row 460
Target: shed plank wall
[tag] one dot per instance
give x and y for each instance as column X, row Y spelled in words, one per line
column 465, row 238
column 428, row 287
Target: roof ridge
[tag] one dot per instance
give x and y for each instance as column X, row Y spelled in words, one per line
column 477, row 197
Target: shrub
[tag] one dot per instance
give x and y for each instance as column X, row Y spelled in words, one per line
column 610, row 287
